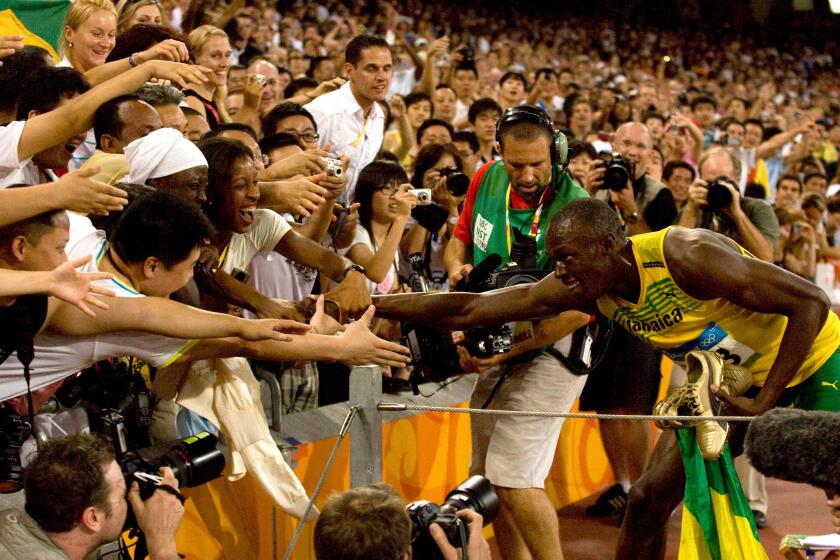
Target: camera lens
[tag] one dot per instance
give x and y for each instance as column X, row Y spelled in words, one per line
column 718, row 195
column 456, row 182
column 475, row 494
column 616, row 175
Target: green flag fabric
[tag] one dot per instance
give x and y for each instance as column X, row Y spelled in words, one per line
column 717, row 523
column 39, row 21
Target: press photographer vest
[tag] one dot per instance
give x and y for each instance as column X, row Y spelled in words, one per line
column 671, row 320
column 492, row 211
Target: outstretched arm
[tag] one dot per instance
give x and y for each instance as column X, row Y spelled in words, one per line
column 165, row 317
column 459, row 310
column 706, row 265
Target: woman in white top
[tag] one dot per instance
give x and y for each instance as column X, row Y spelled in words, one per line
column 385, row 204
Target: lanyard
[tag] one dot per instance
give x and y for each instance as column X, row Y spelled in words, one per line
column 535, row 225
column 358, row 139
column 223, row 256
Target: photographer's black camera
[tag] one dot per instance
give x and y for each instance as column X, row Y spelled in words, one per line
column 456, row 182
column 194, row 461
column 14, row 430
column 618, row 172
column 475, row 494
column 718, row 196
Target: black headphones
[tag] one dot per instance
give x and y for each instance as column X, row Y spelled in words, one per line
column 535, row 115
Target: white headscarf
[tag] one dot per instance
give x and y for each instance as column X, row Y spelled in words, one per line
column 161, row 153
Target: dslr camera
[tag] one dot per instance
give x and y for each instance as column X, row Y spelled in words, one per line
column 194, row 461
column 475, row 494
column 719, row 196
column 456, row 182
column 617, row 172
column 14, row 430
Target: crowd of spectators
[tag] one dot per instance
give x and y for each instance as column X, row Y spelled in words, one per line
column 325, row 143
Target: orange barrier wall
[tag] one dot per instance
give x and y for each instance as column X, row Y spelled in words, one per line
column 424, row 457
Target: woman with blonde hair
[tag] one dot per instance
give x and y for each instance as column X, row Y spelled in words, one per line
column 89, row 34
column 132, row 12
column 209, row 46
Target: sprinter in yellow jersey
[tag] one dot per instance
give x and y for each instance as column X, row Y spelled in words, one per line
column 680, row 290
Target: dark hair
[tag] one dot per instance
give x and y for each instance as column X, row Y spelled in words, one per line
column 66, row 477
column 428, row 156
column 15, row 69
column 524, row 131
column 139, row 38
column 314, row 62
column 755, row 190
column 162, row 225
column 108, row 222
column 510, row 75
column 653, row 115
column 367, row 523
column 106, row 119
column 701, row 99
column 190, row 112
column 45, row 88
column 222, row 127
column 746, row 103
column 32, row 228
column 467, row 136
column 812, row 175
column 416, row 97
column 545, row 72
column 428, row 123
column 221, row 154
column 756, row 122
column 282, row 111
column 480, row 106
column 730, row 120
column 387, row 155
column 298, row 84
column 790, row 177
column 669, row 168
column 374, row 176
column 813, row 200
column 468, row 65
column 578, row 147
column 353, row 50
column 279, row 140
column 588, row 216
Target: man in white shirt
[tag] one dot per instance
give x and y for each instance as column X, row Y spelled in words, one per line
column 350, row 119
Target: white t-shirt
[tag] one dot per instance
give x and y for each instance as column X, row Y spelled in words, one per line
column 12, row 170
column 391, row 280
column 277, row 277
column 267, row 230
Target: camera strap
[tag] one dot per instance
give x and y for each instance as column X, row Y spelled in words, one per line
column 535, row 225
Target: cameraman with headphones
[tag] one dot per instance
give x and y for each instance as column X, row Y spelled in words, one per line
column 76, row 502
column 517, row 197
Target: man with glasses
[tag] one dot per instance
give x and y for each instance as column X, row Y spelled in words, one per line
column 294, row 119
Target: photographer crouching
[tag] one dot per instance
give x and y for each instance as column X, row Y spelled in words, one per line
column 371, row 523
column 76, row 501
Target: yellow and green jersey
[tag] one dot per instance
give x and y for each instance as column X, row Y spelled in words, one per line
column 673, row 321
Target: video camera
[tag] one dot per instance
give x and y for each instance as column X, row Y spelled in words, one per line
column 522, row 268
column 475, row 494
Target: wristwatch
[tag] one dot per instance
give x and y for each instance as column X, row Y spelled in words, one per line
column 357, row 267
column 632, row 218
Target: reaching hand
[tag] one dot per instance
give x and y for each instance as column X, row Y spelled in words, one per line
column 304, row 164
column 271, row 329
column 159, row 516
column 477, row 545
column 352, row 295
column 170, row 49
column 75, row 287
column 9, row 45
column 321, row 322
column 278, row 309
column 185, row 75
column 75, row 191
column 252, row 94
column 297, row 195
column 458, row 274
column 326, row 87
column 397, row 107
column 359, row 346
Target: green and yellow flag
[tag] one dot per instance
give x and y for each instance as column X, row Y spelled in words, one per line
column 717, row 523
column 39, row 21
